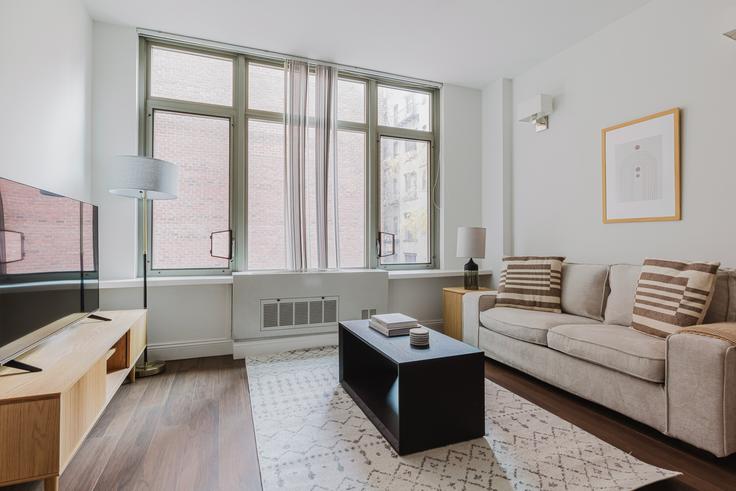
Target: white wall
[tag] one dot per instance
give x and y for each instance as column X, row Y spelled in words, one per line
column 422, row 298
column 495, row 176
column 183, row 321
column 45, row 89
column 669, row 53
column 115, row 119
column 460, row 166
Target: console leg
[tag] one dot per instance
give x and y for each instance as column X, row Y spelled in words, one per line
column 21, row 366
column 51, row 483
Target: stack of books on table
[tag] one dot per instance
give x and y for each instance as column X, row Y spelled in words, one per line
column 392, row 324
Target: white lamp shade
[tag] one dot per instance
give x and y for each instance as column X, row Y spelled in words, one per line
column 471, row 242
column 133, row 176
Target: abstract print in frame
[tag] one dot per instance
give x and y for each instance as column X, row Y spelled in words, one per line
column 641, row 169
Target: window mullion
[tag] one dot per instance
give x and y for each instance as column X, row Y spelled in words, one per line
column 372, row 196
column 265, row 115
column 405, row 133
column 239, row 184
column 350, row 126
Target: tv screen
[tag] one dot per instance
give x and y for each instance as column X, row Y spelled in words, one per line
column 48, row 265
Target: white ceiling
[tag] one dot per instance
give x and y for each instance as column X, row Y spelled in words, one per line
column 464, row 42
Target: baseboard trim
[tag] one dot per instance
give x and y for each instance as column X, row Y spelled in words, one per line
column 254, row 347
column 199, row 348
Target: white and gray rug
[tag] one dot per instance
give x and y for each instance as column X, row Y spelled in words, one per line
column 311, row 435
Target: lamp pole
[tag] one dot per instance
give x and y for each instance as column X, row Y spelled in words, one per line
column 140, row 177
column 149, row 367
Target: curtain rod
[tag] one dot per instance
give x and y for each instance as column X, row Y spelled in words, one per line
column 274, row 55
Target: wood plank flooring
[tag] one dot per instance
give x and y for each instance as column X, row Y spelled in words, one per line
column 191, row 429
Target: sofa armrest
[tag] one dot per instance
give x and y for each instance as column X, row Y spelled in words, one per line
column 473, row 304
column 701, row 392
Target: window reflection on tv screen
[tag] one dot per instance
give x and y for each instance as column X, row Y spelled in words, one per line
column 48, row 261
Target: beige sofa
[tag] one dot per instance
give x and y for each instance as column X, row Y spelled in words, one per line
column 684, row 386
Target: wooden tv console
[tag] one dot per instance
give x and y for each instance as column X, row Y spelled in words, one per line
column 45, row 416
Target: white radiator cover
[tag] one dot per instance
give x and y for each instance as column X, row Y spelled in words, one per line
column 278, row 304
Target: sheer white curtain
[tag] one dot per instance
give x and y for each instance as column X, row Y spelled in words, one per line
column 325, row 151
column 297, row 121
column 322, row 119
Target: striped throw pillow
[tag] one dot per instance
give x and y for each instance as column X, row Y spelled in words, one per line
column 531, row 282
column 672, row 294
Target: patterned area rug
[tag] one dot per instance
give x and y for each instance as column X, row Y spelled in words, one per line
column 311, row 435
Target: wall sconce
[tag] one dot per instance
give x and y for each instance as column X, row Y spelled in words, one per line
column 536, row 110
column 730, row 34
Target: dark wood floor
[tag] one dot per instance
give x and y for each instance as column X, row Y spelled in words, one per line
column 191, row 428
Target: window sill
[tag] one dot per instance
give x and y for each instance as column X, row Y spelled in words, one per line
column 160, row 281
column 168, row 281
column 408, row 274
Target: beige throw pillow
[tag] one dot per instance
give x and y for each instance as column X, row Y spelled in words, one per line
column 671, row 295
column 531, row 283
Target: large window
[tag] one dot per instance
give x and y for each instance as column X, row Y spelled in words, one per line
column 220, row 117
column 265, row 162
column 188, row 114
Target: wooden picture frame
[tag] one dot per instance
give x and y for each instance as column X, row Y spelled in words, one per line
column 641, row 169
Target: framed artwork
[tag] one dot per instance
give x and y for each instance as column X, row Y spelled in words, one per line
column 641, row 169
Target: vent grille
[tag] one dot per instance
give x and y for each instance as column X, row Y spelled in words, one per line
column 270, row 315
column 315, row 312
column 300, row 313
column 286, row 314
column 330, row 311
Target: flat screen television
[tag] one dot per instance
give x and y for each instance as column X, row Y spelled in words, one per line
column 48, row 265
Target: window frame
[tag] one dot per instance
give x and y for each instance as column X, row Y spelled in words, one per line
column 240, row 114
column 431, row 137
column 148, row 105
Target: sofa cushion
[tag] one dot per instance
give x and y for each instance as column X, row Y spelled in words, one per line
column 619, row 348
column 531, row 282
column 584, row 289
column 526, row 325
column 671, row 295
column 721, row 302
column 622, row 280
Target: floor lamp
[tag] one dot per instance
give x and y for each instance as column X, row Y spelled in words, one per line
column 144, row 178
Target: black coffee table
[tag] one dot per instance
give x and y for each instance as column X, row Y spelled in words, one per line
column 418, row 398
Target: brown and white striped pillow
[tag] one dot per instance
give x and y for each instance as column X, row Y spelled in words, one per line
column 531, row 282
column 672, row 294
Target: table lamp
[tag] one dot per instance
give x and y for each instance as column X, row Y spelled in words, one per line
column 471, row 242
column 144, row 178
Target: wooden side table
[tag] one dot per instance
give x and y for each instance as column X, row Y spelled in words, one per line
column 452, row 310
